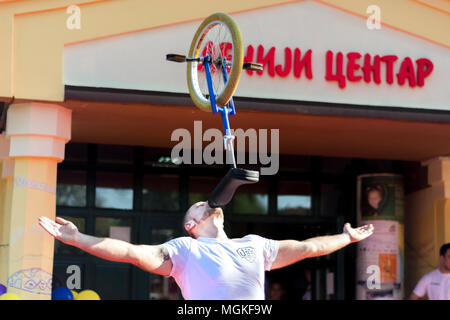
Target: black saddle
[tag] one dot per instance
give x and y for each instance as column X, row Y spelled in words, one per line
column 226, row 188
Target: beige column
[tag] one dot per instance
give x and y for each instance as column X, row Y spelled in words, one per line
column 439, row 179
column 427, row 222
column 38, row 133
column 6, row 174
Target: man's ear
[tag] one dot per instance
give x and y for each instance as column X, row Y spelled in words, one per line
column 189, row 225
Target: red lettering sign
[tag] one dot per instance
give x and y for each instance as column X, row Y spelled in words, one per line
column 357, row 67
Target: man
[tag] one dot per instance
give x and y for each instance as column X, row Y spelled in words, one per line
column 208, row 265
column 276, row 291
column 436, row 284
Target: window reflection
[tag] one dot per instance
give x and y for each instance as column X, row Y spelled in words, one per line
column 294, row 198
column 71, row 188
column 115, row 154
column 114, row 190
column 116, row 228
column 331, row 199
column 161, row 192
column 252, row 199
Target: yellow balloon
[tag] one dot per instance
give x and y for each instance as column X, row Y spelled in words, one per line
column 75, row 294
column 88, row 295
column 10, row 296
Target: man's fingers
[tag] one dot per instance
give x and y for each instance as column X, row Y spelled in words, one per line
column 50, row 226
column 48, row 221
column 368, row 228
column 61, row 220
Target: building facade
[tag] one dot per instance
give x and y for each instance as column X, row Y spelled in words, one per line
column 89, row 106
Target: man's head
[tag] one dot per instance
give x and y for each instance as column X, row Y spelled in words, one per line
column 202, row 220
column 444, row 257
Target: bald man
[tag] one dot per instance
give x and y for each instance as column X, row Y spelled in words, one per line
column 208, row 265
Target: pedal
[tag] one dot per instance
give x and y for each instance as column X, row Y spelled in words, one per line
column 252, row 66
column 175, row 57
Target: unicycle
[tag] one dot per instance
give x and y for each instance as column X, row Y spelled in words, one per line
column 214, row 66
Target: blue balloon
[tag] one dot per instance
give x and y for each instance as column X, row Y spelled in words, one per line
column 2, row 289
column 62, row 294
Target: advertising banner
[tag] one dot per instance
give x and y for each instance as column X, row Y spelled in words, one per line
column 380, row 258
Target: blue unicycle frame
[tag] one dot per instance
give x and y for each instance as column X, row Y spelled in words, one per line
column 229, row 108
column 224, row 111
column 235, row 177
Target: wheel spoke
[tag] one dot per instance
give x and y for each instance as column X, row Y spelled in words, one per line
column 215, row 37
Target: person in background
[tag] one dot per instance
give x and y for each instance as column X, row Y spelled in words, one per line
column 308, row 293
column 436, row 284
column 276, row 291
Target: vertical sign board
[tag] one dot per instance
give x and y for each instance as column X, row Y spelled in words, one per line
column 380, row 258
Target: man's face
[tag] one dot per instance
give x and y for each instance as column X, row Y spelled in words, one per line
column 200, row 213
column 445, row 261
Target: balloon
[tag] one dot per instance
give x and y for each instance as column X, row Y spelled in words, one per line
column 2, row 289
column 88, row 295
column 62, row 294
column 75, row 294
column 9, row 296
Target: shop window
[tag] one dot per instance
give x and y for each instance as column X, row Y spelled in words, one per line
column 294, row 198
column 158, row 157
column 115, row 228
column 161, row 192
column 71, row 188
column 76, row 152
column 252, row 199
column 331, row 199
column 64, row 249
column 63, row 274
column 115, row 154
column 113, row 281
column 114, row 190
column 201, row 187
column 162, row 288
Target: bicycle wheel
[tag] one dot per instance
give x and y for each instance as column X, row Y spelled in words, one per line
column 217, row 36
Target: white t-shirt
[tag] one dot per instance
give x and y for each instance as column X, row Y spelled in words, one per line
column 210, row 269
column 435, row 284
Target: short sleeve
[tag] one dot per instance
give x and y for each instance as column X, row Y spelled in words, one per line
column 270, row 250
column 270, row 253
column 178, row 249
column 421, row 288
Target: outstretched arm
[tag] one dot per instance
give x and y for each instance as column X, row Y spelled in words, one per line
column 292, row 251
column 153, row 259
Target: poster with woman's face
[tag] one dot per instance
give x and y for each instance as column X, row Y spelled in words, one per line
column 379, row 198
column 380, row 260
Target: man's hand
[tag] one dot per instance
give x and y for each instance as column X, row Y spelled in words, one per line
column 62, row 230
column 358, row 234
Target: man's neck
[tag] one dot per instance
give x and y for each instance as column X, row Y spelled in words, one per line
column 215, row 233
column 444, row 270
